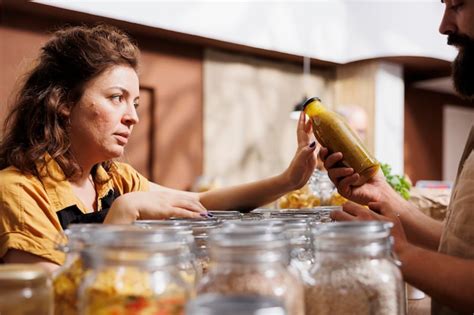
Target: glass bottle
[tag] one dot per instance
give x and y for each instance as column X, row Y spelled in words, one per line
column 134, row 272
column 252, row 261
column 25, row 289
column 354, row 270
column 332, row 132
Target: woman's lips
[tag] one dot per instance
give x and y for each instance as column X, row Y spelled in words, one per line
column 122, row 139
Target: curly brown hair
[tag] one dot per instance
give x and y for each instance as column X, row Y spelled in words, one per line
column 38, row 122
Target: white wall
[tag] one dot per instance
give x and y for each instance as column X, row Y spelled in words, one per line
column 389, row 115
column 457, row 123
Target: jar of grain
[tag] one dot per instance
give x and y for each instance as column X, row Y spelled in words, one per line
column 134, row 271
column 252, row 260
column 25, row 289
column 354, row 271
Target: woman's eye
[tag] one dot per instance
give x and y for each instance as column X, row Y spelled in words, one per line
column 136, row 105
column 117, row 98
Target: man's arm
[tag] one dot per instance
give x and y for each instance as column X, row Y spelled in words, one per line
column 445, row 278
column 420, row 229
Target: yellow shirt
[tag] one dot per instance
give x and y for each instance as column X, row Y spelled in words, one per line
column 33, row 211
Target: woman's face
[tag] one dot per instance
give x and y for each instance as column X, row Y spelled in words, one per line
column 103, row 119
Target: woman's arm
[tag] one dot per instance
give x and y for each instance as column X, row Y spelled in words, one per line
column 14, row 256
column 252, row 195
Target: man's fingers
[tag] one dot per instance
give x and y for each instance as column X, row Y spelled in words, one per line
column 337, row 173
column 323, row 152
column 339, row 215
column 332, row 160
column 345, row 184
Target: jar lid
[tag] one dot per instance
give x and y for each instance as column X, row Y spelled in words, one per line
column 226, row 214
column 213, row 304
column 355, row 236
column 18, row 273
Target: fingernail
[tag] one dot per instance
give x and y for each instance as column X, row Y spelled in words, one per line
column 204, row 215
column 313, row 144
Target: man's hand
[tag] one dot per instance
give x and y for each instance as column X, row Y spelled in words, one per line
column 377, row 211
column 344, row 178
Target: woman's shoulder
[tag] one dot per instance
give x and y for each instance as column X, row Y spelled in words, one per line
column 128, row 178
column 12, row 176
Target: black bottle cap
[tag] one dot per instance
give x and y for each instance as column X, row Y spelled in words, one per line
column 310, row 100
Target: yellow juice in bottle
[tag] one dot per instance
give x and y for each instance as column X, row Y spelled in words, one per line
column 334, row 133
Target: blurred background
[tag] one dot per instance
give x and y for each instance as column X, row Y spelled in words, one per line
column 220, row 79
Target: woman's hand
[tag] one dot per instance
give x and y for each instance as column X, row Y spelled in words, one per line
column 374, row 189
column 304, row 161
column 377, row 211
column 153, row 205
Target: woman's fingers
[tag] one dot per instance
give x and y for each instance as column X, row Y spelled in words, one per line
column 182, row 213
column 190, row 204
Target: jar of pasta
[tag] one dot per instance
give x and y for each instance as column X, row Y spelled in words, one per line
column 354, row 270
column 134, row 272
column 252, row 260
column 66, row 280
column 181, row 230
column 25, row 289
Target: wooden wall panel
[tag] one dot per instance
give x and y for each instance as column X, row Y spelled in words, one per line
column 355, row 85
column 423, row 149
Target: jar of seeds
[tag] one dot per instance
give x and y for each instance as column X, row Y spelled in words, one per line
column 354, row 271
column 252, row 260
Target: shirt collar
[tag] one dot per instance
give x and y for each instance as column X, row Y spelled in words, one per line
column 59, row 189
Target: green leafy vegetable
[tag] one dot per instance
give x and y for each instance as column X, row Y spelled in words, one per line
column 399, row 183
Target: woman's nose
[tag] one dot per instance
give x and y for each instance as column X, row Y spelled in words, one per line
column 131, row 116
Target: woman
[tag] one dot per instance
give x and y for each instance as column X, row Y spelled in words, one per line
column 72, row 117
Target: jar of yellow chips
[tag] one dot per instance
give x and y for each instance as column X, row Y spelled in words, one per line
column 134, row 272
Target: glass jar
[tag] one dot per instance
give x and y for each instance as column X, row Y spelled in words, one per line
column 25, row 289
column 226, row 214
column 252, row 261
column 190, row 265
column 299, row 236
column 134, row 272
column 213, row 304
column 354, row 270
column 201, row 230
column 68, row 277
column 321, row 186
